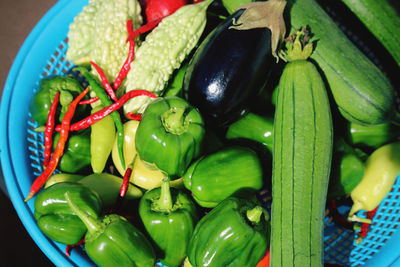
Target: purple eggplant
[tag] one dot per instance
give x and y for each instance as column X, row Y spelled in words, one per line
column 228, row 71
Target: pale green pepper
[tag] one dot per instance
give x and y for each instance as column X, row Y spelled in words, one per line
column 102, row 139
column 381, row 170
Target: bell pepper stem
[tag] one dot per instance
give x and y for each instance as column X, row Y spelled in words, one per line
column 92, row 224
column 175, row 120
column 254, row 215
column 164, row 203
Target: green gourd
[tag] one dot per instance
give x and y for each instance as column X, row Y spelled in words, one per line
column 362, row 92
column 303, row 140
column 382, row 20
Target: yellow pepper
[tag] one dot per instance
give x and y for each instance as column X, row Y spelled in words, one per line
column 381, row 170
column 101, row 138
column 143, row 175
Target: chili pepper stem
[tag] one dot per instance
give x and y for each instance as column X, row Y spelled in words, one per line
column 254, row 215
column 164, row 203
column 93, row 225
column 355, row 218
column 357, row 206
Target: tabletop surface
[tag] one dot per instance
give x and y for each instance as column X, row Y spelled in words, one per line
column 18, row 17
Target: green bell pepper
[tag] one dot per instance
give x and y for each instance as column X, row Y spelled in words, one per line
column 56, row 219
column 253, row 127
column 170, row 135
column 113, row 241
column 232, row 170
column 234, row 233
column 68, row 87
column 106, row 185
column 169, row 217
column 76, row 157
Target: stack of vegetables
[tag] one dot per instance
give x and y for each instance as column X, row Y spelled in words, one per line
column 209, row 105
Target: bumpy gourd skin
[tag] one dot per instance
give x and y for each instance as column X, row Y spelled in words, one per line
column 163, row 51
column 98, row 34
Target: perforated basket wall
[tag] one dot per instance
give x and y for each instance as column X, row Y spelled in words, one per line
column 21, row 146
column 340, row 247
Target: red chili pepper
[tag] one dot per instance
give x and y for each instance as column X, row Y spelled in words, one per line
column 89, row 101
column 69, row 247
column 48, row 132
column 124, row 188
column 143, row 29
column 134, row 116
column 264, row 262
column 125, row 182
column 105, row 82
column 86, row 122
column 337, row 217
column 365, row 226
column 59, row 150
column 127, row 65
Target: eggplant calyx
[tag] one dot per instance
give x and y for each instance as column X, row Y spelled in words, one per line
column 267, row 14
column 298, row 46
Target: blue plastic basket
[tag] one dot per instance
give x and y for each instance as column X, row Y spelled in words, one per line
column 21, row 154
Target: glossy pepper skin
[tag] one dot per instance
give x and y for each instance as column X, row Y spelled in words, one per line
column 232, row 170
column 170, row 135
column 68, row 87
column 113, row 241
column 234, row 233
column 347, row 170
column 56, row 219
column 102, row 137
column 373, row 136
column 76, row 157
column 169, row 216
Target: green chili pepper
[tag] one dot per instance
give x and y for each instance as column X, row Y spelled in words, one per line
column 56, row 219
column 347, row 170
column 232, row 170
column 373, row 136
column 234, row 233
column 63, row 177
column 102, row 141
column 170, row 135
column 76, row 157
column 169, row 216
column 106, row 101
column 114, row 241
column 68, row 87
column 175, row 86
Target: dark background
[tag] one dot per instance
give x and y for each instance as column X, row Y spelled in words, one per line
column 17, row 19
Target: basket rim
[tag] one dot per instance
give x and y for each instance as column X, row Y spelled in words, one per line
column 24, row 210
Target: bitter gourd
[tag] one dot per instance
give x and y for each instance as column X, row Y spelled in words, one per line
column 163, row 51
